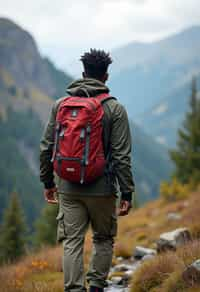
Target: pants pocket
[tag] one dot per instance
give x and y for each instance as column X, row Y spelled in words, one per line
column 61, row 234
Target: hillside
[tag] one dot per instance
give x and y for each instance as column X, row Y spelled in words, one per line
column 28, row 82
column 23, row 53
column 166, row 116
column 148, row 153
column 28, row 85
column 142, row 227
column 144, row 73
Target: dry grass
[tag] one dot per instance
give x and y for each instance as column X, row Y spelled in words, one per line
column 154, row 272
column 42, row 271
column 34, row 273
column 144, row 226
column 164, row 273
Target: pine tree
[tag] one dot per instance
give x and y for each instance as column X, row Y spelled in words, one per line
column 12, row 232
column 46, row 226
column 187, row 155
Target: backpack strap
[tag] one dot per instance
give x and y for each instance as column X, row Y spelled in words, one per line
column 104, row 97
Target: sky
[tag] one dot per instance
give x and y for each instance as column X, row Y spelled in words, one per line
column 64, row 29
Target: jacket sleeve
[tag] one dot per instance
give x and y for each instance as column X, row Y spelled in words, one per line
column 121, row 152
column 46, row 151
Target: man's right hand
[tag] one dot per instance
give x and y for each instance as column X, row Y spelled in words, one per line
column 49, row 195
column 124, row 208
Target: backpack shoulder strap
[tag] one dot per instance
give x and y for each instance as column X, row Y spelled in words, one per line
column 104, row 97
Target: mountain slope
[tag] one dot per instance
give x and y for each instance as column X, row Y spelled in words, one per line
column 163, row 119
column 23, row 53
column 27, row 81
column 142, row 227
column 142, row 73
column 151, row 164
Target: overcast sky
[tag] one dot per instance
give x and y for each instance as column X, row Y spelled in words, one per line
column 63, row 29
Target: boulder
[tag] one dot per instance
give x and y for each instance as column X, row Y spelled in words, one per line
column 148, row 257
column 172, row 240
column 174, row 216
column 140, row 252
column 117, row 280
column 129, row 274
column 120, row 281
column 121, row 268
column 191, row 274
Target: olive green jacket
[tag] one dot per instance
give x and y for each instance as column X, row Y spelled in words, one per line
column 116, row 140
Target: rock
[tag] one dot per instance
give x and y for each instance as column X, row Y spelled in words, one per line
column 148, row 257
column 108, row 283
column 140, row 252
column 192, row 273
column 117, row 280
column 120, row 259
column 155, row 212
column 116, row 289
column 121, row 268
column 129, row 274
column 174, row 216
column 172, row 240
column 186, row 204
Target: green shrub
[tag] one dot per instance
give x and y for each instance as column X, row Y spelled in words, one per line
column 174, row 190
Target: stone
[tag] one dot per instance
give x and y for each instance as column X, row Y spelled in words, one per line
column 148, row 257
column 116, row 289
column 172, row 240
column 191, row 274
column 174, row 216
column 140, row 252
column 120, row 259
column 117, row 280
column 121, row 268
column 129, row 273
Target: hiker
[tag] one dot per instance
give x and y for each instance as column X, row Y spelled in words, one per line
column 85, row 157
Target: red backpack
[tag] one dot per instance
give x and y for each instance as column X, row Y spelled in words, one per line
column 78, row 147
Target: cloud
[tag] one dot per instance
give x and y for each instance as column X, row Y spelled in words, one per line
column 64, row 29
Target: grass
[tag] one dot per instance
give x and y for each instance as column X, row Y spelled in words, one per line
column 34, row 273
column 42, row 272
column 164, row 273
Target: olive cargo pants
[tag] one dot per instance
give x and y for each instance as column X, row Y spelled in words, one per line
column 75, row 215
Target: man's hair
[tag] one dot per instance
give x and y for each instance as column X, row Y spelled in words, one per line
column 96, row 63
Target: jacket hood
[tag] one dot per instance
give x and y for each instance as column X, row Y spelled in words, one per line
column 87, row 87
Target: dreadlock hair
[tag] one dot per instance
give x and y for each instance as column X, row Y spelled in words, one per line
column 96, row 63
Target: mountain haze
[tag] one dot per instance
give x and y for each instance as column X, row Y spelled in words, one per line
column 144, row 73
column 165, row 117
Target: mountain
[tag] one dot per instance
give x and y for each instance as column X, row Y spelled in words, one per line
column 144, row 73
column 28, row 85
column 166, row 116
column 23, row 53
column 151, row 164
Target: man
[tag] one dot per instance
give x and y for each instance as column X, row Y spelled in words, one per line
column 93, row 203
